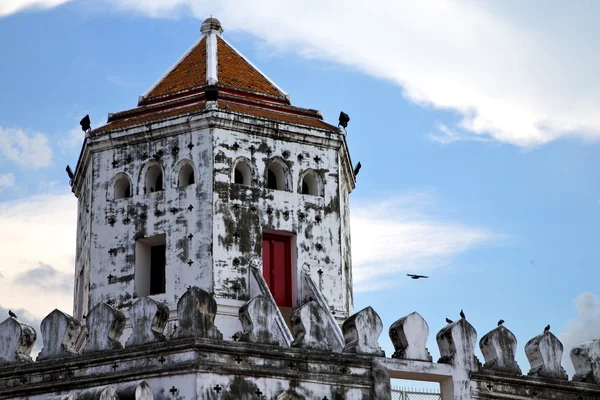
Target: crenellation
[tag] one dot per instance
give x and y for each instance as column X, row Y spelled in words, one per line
column 140, row 390
column 16, row 341
column 102, row 393
column 237, row 367
column 148, row 319
column 457, row 342
column 310, row 330
column 105, row 327
column 586, row 361
column 544, row 353
column 409, row 336
column 257, row 316
column 196, row 311
column 60, row 333
column 498, row 348
column 361, row 333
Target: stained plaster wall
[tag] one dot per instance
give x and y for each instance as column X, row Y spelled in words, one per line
column 242, row 213
column 175, row 212
column 82, row 249
column 227, row 226
column 198, row 370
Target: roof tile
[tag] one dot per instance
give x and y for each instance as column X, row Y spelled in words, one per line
column 189, row 73
column 234, row 71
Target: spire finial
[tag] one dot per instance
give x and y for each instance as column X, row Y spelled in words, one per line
column 211, row 24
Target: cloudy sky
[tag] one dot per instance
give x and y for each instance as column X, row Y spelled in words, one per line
column 477, row 125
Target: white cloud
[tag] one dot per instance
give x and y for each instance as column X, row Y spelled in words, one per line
column 38, row 232
column 7, row 180
column 72, row 140
column 446, row 136
column 30, row 150
column 522, row 74
column 397, row 236
column 8, row 7
column 586, row 327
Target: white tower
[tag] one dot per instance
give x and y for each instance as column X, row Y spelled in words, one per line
column 211, row 170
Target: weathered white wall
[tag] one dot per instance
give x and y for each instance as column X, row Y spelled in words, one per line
column 175, row 212
column 226, row 219
column 242, row 213
column 82, row 248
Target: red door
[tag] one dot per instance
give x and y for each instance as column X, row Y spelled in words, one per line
column 277, row 268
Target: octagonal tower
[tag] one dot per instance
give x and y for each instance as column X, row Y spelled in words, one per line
column 213, row 170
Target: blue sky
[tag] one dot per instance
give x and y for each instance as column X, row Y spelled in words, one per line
column 477, row 126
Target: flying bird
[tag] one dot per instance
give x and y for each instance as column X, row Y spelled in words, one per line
column 500, row 322
column 547, row 328
column 413, row 276
column 462, row 314
column 448, row 320
column 12, row 314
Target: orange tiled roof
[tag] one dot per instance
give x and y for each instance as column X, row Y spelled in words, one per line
column 149, row 117
column 234, row 71
column 280, row 116
column 188, row 74
column 228, row 103
column 242, row 89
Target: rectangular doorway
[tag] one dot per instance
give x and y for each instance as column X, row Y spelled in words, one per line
column 277, row 267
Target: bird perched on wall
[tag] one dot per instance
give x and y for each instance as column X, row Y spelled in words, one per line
column 448, row 320
column 413, row 276
column 547, row 328
column 462, row 314
column 12, row 314
column 344, row 119
column 500, row 322
column 85, row 123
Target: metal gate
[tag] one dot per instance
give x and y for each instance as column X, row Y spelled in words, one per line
column 415, row 394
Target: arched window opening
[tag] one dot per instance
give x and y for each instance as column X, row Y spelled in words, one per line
column 271, row 180
column 242, row 174
column 154, row 179
column 122, row 188
column 305, row 188
column 276, row 176
column 186, row 175
column 239, row 177
column 310, row 185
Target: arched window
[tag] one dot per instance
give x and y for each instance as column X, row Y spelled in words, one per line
column 242, row 173
column 186, row 176
column 311, row 184
column 276, row 175
column 122, row 188
column 154, row 179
